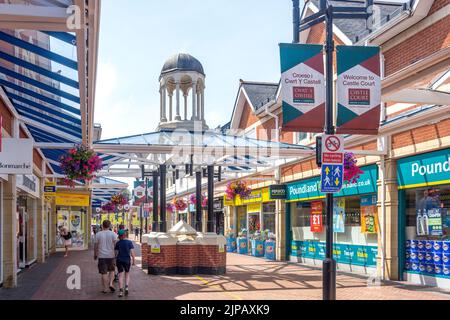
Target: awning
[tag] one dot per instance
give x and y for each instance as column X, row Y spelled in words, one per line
column 48, row 68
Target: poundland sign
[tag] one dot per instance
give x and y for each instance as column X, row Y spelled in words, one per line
column 306, row 190
column 423, row 170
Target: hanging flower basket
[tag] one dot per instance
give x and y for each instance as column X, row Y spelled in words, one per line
column 170, row 207
column 180, row 204
column 351, row 170
column 193, row 200
column 109, row 207
column 119, row 199
column 80, row 163
column 237, row 188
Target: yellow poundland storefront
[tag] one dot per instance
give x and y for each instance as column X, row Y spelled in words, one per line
column 253, row 213
column 73, row 210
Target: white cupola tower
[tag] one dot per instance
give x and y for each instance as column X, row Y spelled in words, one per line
column 182, row 90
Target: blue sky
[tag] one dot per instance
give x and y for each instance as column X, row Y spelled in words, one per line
column 233, row 39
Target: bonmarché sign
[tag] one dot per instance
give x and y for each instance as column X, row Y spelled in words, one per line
column 424, row 170
column 16, row 156
column 309, row 189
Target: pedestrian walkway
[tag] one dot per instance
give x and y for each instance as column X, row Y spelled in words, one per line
column 247, row 278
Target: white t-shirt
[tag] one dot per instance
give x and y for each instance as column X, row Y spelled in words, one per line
column 105, row 241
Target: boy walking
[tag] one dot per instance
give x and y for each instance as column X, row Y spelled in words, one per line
column 125, row 257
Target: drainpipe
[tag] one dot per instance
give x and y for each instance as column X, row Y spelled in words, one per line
column 277, row 125
column 384, row 146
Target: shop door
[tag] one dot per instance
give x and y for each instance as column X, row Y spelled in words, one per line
column 22, row 239
column 220, row 223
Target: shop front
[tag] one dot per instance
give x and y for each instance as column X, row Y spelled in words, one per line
column 355, row 223
column 219, row 215
column 2, row 178
column 28, row 193
column 72, row 213
column 424, row 224
column 254, row 218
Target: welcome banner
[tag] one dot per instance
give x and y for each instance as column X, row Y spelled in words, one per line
column 302, row 87
column 358, row 90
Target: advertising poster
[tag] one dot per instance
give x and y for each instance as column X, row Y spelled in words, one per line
column 302, row 87
column 358, row 90
column 369, row 215
column 339, row 215
column 429, row 214
column 316, row 216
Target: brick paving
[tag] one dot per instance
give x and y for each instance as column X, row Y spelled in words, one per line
column 247, row 278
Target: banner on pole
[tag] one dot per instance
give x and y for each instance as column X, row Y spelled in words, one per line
column 358, row 90
column 302, row 87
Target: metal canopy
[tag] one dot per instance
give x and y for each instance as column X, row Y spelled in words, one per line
column 236, row 154
column 104, row 189
column 45, row 64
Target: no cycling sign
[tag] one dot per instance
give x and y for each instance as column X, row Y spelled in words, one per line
column 332, row 163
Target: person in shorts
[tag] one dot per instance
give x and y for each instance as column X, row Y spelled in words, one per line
column 67, row 236
column 125, row 257
column 105, row 242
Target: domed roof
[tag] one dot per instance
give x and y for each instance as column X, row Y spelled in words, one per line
column 182, row 62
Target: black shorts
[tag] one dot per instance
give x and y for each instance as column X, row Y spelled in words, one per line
column 123, row 266
column 106, row 265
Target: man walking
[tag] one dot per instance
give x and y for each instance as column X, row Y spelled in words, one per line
column 105, row 242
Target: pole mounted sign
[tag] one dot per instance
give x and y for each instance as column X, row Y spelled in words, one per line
column 332, row 175
column 358, row 90
column 302, row 87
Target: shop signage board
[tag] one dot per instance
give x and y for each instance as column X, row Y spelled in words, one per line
column 218, row 204
column 50, row 189
column 428, row 169
column 72, row 200
column 332, row 176
column 309, row 189
column 339, row 215
column 316, row 216
column 358, row 89
column 16, row 156
column 302, row 87
column 29, row 183
column 277, row 192
column 369, row 214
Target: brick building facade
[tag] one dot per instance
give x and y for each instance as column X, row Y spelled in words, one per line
column 414, row 39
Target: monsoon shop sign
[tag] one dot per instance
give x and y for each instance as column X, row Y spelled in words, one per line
column 310, row 189
column 424, row 170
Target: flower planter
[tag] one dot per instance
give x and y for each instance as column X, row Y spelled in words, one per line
column 231, row 245
column 258, row 248
column 269, row 250
column 242, row 246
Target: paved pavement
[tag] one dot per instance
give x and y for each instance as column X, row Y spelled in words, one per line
column 247, row 278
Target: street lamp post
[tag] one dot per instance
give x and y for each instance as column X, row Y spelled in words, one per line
column 326, row 13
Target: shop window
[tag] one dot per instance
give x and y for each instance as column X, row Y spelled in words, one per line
column 269, row 216
column 241, row 218
column 428, row 213
column 427, row 231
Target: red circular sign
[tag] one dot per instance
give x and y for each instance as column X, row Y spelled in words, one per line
column 332, row 144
